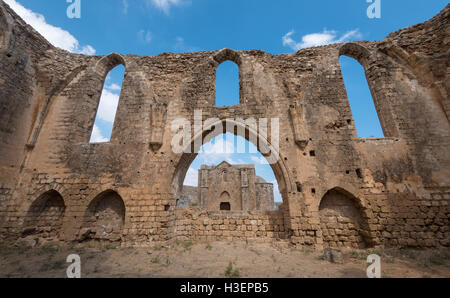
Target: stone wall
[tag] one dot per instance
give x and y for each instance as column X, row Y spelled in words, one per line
column 207, row 226
column 401, row 183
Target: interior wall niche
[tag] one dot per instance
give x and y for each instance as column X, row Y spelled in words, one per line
column 105, row 218
column 45, row 216
column 225, row 201
column 341, row 220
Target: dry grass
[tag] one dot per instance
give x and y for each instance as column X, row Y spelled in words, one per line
column 218, row 259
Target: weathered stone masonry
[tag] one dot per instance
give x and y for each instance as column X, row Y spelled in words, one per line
column 338, row 189
column 236, row 186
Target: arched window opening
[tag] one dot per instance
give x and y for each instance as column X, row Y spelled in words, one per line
column 107, row 108
column 361, row 102
column 227, row 84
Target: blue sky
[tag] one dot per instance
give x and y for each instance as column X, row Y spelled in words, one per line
column 151, row 27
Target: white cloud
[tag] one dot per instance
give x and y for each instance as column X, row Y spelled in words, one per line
column 56, row 36
column 259, row 160
column 87, row 50
column 97, row 136
column 319, row 39
column 191, row 177
column 216, row 151
column 113, row 87
column 179, row 44
column 225, row 148
column 145, row 36
column 108, row 106
column 125, row 6
column 219, row 146
column 165, row 5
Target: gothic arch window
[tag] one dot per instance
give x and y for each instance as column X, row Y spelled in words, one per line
column 227, row 84
column 107, row 108
column 363, row 108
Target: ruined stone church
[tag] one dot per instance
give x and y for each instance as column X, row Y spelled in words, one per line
column 228, row 187
column 338, row 189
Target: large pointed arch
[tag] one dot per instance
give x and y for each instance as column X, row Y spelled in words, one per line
column 240, row 128
column 104, row 65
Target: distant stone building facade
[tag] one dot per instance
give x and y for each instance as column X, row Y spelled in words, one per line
column 233, row 188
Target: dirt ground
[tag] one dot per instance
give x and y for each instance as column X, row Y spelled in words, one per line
column 219, row 259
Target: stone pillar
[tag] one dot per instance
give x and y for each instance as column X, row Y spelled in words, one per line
column 244, row 189
column 203, row 185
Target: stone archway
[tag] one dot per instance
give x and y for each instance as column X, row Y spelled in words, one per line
column 107, row 63
column 342, row 220
column 269, row 225
column 237, row 128
column 45, row 216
